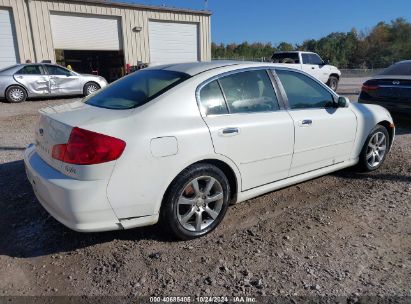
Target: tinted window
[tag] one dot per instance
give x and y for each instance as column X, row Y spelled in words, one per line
column 402, row 68
column 30, row 70
column 306, row 58
column 303, row 92
column 285, row 58
column 250, row 91
column 136, row 89
column 315, row 59
column 212, row 99
column 55, row 70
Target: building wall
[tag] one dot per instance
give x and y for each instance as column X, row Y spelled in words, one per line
column 135, row 45
column 22, row 27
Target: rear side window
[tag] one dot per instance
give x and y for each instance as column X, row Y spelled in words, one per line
column 212, row 99
column 306, row 58
column 402, row 68
column 250, row 91
column 304, row 92
column 59, row 71
column 285, row 58
column 136, row 89
column 30, row 70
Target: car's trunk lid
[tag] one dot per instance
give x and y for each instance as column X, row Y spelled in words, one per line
column 55, row 126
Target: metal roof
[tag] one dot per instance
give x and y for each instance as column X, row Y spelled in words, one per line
column 140, row 6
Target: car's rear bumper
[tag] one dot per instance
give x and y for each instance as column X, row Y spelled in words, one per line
column 80, row 205
column 395, row 106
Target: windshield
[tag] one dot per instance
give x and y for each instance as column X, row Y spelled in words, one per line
column 136, row 89
column 402, row 68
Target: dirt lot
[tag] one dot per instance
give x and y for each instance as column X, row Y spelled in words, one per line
column 344, row 234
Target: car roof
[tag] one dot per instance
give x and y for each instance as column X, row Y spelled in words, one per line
column 195, row 68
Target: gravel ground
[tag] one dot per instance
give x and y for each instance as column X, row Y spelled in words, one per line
column 344, row 234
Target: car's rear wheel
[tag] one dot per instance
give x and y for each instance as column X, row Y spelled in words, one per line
column 375, row 149
column 196, row 201
column 16, row 94
column 333, row 83
column 90, row 88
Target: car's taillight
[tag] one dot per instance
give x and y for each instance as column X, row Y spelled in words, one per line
column 369, row 87
column 88, row 148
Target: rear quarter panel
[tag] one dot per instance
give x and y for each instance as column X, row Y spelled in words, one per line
column 140, row 179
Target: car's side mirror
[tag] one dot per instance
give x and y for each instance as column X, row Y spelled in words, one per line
column 325, row 62
column 343, row 102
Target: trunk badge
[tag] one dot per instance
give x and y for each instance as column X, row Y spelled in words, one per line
column 396, row 82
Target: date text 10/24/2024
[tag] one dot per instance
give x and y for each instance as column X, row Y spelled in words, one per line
column 203, row 299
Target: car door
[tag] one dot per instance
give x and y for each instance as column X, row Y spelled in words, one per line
column 34, row 79
column 324, row 134
column 310, row 66
column 63, row 81
column 248, row 126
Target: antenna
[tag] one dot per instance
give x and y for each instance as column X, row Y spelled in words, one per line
column 206, row 4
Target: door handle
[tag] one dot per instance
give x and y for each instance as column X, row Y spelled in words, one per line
column 313, row 68
column 229, row 131
column 19, row 77
column 306, row 122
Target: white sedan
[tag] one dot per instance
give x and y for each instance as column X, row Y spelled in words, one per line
column 179, row 143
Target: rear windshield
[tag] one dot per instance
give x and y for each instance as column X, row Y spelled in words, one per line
column 402, row 68
column 285, row 58
column 136, row 89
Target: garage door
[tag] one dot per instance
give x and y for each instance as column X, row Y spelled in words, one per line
column 8, row 49
column 83, row 32
column 172, row 42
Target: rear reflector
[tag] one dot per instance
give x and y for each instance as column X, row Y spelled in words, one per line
column 88, row 148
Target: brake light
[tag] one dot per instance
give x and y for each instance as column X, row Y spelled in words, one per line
column 88, row 148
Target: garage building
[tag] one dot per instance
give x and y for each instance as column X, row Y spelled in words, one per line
column 101, row 37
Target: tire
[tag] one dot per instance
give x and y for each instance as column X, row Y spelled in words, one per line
column 185, row 212
column 16, row 94
column 375, row 149
column 333, row 83
column 90, row 88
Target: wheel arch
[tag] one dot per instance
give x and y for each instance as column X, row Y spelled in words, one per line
column 16, row 85
column 335, row 75
column 390, row 129
column 228, row 171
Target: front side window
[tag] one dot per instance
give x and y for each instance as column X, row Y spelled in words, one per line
column 306, row 58
column 59, row 71
column 315, row 59
column 250, row 91
column 212, row 99
column 304, row 92
column 30, row 70
column 136, row 89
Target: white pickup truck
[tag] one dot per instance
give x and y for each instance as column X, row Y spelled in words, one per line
column 312, row 64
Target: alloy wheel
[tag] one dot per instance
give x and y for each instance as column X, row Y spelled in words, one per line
column 200, row 203
column 376, row 149
column 16, row 94
column 91, row 89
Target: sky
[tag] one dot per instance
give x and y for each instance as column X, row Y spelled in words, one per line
column 289, row 20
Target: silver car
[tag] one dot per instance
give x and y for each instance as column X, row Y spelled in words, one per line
column 22, row 81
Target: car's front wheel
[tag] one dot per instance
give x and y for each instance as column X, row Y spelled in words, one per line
column 333, row 83
column 375, row 149
column 196, row 201
column 16, row 94
column 90, row 88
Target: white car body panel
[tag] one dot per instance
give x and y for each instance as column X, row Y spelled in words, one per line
column 168, row 134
